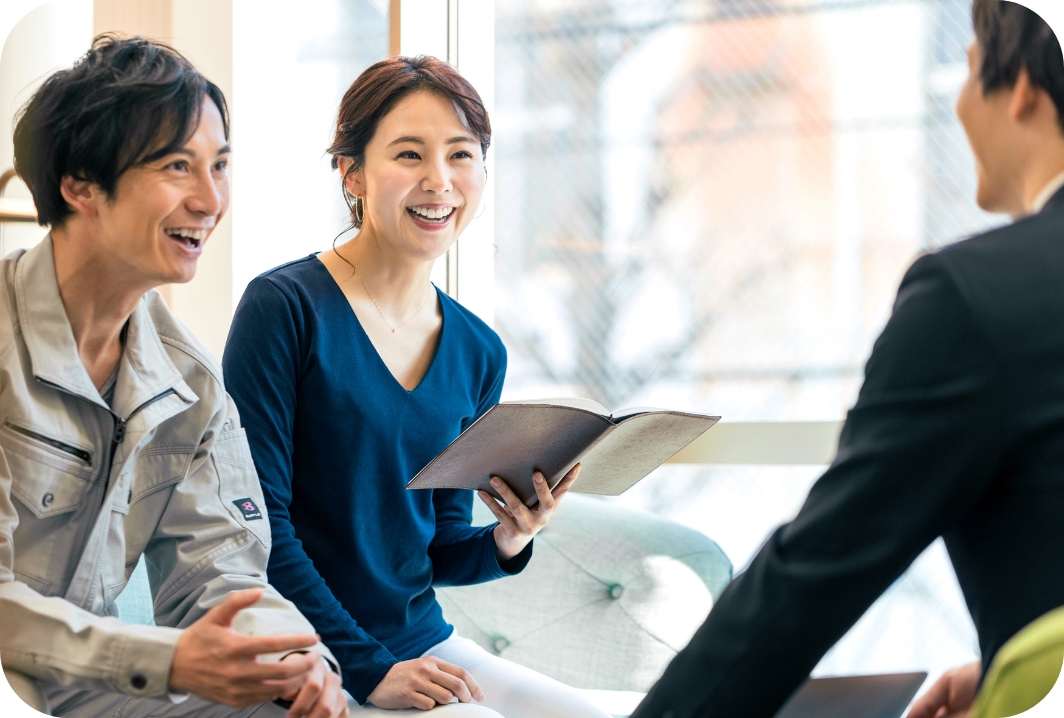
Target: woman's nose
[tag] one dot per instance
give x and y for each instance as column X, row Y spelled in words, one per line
column 437, row 177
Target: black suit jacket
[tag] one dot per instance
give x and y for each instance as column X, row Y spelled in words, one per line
column 958, row 432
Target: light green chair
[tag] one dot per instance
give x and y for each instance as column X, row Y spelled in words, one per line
column 610, row 596
column 1024, row 670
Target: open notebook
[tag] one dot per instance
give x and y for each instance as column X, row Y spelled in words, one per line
column 513, row 439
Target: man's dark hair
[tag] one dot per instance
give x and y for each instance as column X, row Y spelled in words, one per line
column 126, row 102
column 1013, row 37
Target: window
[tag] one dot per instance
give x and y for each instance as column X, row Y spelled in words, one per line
column 709, row 205
column 292, row 63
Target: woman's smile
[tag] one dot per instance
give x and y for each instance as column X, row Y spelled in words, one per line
column 432, row 217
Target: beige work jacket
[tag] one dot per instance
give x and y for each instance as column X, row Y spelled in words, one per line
column 86, row 489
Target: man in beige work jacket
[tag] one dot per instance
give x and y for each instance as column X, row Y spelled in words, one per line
column 116, row 434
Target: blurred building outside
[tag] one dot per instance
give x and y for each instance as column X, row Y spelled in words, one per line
column 709, row 205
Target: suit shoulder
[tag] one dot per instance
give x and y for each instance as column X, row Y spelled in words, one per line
column 1020, row 240
column 1012, row 273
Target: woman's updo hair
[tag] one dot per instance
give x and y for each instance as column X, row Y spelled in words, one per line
column 380, row 87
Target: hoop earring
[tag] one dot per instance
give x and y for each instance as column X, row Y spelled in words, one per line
column 360, row 209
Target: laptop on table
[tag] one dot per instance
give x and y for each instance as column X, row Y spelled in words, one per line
column 881, row 696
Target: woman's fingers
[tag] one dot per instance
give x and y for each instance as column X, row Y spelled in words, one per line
column 432, row 689
column 464, row 676
column 546, row 498
column 563, row 485
column 454, row 685
column 516, row 508
column 500, row 513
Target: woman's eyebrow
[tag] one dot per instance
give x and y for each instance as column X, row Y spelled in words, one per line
column 419, row 141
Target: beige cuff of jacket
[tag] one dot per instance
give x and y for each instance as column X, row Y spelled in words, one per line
column 144, row 661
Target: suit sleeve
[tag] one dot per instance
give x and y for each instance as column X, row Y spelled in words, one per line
column 462, row 554
column 262, row 365
column 918, row 449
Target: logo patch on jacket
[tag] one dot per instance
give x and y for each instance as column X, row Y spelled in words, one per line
column 249, row 509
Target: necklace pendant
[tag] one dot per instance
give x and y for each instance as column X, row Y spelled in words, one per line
column 393, row 331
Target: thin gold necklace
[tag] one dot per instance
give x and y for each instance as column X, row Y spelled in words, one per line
column 384, row 318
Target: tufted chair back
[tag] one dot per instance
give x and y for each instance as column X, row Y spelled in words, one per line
column 610, row 596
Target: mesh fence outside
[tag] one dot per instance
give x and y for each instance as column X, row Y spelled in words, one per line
column 709, row 204
column 712, row 202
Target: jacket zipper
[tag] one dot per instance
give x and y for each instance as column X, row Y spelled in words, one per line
column 120, row 424
column 82, row 454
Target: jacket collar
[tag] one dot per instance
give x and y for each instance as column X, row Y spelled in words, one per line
column 1056, row 201
column 145, row 369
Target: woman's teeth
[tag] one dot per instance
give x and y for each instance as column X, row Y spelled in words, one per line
column 192, row 237
column 430, row 214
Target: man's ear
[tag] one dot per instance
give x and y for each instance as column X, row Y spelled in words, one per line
column 1023, row 103
column 353, row 181
column 84, row 197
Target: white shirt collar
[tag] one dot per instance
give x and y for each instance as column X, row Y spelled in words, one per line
column 1047, row 193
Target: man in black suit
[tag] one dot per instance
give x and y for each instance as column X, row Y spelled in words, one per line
column 958, row 430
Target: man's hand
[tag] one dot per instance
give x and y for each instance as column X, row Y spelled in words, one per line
column 424, row 683
column 952, row 695
column 217, row 664
column 321, row 696
column 518, row 524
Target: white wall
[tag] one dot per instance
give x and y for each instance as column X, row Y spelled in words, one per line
column 203, row 30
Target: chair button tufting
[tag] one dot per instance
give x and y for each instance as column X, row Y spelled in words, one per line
column 616, row 591
column 499, row 644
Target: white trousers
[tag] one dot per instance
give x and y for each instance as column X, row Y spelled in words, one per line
column 510, row 690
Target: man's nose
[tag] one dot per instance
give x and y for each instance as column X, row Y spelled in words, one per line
column 207, row 196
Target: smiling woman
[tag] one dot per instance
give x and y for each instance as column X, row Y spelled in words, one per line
column 353, row 372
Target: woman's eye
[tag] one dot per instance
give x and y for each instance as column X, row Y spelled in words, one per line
column 409, row 155
column 462, row 155
column 221, row 166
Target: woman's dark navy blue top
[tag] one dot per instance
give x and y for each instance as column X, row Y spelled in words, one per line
column 335, row 440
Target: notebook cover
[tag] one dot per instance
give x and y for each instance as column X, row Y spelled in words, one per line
column 514, row 440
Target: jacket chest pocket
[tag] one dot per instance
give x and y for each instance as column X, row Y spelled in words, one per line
column 50, row 484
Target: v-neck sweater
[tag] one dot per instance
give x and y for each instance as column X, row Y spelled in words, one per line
column 335, row 439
